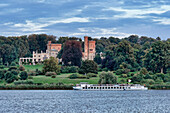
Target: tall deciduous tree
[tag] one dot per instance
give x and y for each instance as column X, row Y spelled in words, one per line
column 51, row 65
column 88, row 66
column 7, row 53
column 107, row 78
column 72, row 53
column 157, row 58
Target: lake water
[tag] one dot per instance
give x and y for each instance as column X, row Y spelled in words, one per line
column 70, row 101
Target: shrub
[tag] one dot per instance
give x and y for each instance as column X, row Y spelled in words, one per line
column 38, row 72
column 143, row 71
column 150, row 81
column 21, row 68
column 23, row 82
column 133, row 69
column 147, row 76
column 73, row 69
column 124, row 75
column 137, row 78
column 88, row 66
column 23, row 75
column 73, row 76
column 107, row 78
column 167, row 78
column 69, row 69
column 150, row 72
column 10, row 77
column 119, row 71
column 105, row 69
column 50, row 73
column 161, row 75
column 31, row 73
column 59, row 83
column 15, row 72
column 82, row 76
column 122, row 81
column 53, row 76
column 64, row 69
column 13, row 64
column 12, row 68
column 91, row 75
column 30, row 77
column 2, row 73
column 2, row 66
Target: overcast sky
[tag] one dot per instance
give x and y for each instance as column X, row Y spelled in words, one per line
column 95, row 18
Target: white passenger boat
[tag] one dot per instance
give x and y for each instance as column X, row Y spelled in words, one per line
column 86, row 86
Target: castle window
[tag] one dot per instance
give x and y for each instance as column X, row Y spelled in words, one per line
column 39, row 56
column 91, row 49
column 34, row 55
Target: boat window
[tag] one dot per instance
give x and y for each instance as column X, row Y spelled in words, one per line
column 91, row 87
column 108, row 87
column 117, row 87
column 88, row 87
column 102, row 87
column 105, row 87
column 94, row 87
column 97, row 87
column 83, row 87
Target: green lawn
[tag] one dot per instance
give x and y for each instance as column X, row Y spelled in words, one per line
column 64, row 79
column 33, row 67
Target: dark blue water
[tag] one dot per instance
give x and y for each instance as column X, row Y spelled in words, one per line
column 62, row 101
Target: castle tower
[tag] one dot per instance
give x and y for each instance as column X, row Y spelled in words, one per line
column 89, row 49
column 86, row 47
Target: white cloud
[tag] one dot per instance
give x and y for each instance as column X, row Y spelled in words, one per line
column 8, row 23
column 4, row 12
column 164, row 21
column 139, row 13
column 99, row 32
column 40, row 24
column 4, row 5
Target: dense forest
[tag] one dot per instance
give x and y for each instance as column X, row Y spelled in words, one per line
column 123, row 55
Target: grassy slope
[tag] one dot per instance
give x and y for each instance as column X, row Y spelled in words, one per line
column 64, row 79
column 59, row 78
column 33, row 67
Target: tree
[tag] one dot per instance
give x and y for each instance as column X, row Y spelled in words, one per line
column 7, row 53
column 2, row 73
column 98, row 59
column 158, row 38
column 51, row 65
column 107, row 78
column 10, row 77
column 143, row 71
column 13, row 64
column 88, row 66
column 72, row 53
column 133, row 38
column 21, row 68
column 23, row 75
column 156, row 59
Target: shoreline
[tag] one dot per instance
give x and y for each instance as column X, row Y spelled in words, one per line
column 63, row 87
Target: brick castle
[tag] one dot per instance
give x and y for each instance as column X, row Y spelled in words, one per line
column 53, row 49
